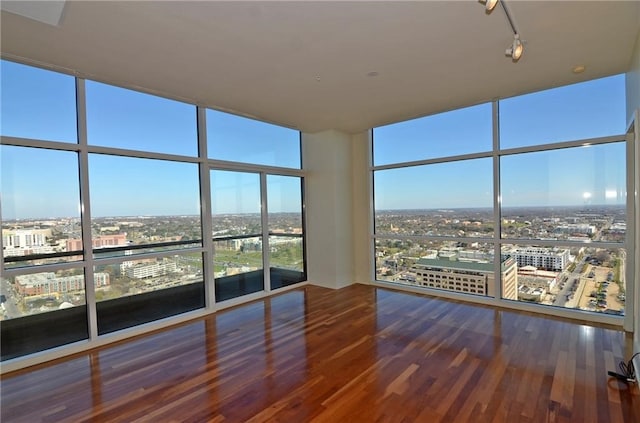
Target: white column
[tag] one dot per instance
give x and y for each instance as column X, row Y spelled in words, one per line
column 363, row 249
column 327, row 160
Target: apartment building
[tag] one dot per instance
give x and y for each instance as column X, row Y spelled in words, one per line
column 467, row 276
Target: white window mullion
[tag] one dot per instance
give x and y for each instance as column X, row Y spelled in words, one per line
column 208, row 255
column 372, row 208
column 264, row 215
column 85, row 208
column 497, row 216
column 631, row 282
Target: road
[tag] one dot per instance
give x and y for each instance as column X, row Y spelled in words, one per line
column 561, row 298
column 10, row 306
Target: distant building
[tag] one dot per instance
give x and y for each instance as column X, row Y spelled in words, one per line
column 466, row 276
column 528, row 293
column 49, row 283
column 109, row 228
column 23, row 242
column 533, row 283
column 26, row 251
column 555, row 259
column 473, row 255
column 101, row 279
column 21, row 238
column 577, row 228
column 538, row 273
column 151, row 270
column 618, row 228
column 99, row 242
column 248, row 244
column 391, row 264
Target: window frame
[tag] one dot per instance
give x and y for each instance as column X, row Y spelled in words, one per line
column 498, row 241
column 89, row 262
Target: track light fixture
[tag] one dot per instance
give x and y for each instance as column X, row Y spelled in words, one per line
column 489, row 4
column 516, row 49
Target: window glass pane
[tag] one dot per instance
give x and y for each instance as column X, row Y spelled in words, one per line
column 285, row 204
column 121, row 118
column 287, row 260
column 445, row 265
column 395, row 259
column 286, row 255
column 452, row 133
column 41, row 311
column 239, row 139
column 142, row 205
column 447, row 199
column 40, row 209
column 585, row 278
column 575, row 194
column 580, row 111
column 37, row 103
column 235, row 201
column 143, row 290
column 237, row 228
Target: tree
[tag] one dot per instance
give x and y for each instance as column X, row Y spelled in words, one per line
column 603, row 256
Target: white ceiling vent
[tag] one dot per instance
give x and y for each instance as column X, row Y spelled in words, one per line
column 49, row 12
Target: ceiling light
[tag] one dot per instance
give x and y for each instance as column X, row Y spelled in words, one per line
column 489, row 4
column 516, row 49
column 578, row 69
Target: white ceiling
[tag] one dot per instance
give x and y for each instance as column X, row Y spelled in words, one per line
column 305, row 64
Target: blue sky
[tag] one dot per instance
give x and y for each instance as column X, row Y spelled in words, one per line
column 39, row 185
column 41, row 105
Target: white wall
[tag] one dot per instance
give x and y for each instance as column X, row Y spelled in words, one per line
column 327, row 160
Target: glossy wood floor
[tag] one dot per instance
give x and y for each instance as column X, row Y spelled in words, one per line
column 359, row 354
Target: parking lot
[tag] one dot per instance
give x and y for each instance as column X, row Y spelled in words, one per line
column 600, row 292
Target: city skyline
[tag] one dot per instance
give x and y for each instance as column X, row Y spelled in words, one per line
column 582, row 207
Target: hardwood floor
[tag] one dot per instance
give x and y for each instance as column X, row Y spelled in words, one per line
column 359, row 354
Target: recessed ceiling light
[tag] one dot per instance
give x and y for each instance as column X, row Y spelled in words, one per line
column 578, row 69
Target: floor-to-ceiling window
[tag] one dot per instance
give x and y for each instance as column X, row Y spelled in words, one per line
column 144, row 206
column 285, row 224
column 103, row 198
column 237, row 228
column 522, row 199
column 256, row 212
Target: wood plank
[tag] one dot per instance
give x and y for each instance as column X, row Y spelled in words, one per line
column 359, row 354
